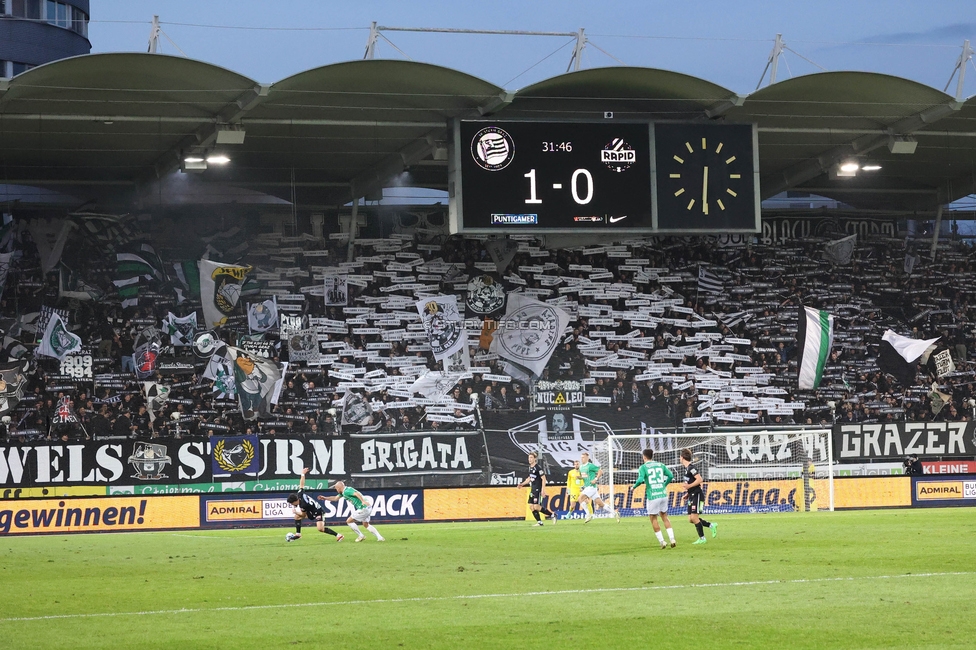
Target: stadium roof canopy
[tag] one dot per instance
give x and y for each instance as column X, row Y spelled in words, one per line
column 102, row 126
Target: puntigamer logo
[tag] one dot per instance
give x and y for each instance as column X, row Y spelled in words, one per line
column 498, row 219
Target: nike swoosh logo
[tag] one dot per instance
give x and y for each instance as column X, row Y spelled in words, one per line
column 616, row 219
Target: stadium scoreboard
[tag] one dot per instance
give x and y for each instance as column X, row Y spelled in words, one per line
column 605, row 177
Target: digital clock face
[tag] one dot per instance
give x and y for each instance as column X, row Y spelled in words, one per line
column 537, row 176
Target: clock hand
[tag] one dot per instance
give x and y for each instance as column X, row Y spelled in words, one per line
column 705, row 190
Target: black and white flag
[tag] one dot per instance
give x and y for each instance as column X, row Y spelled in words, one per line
column 435, row 384
column 181, row 329
column 263, row 316
column 443, row 324
column 529, row 333
column 485, row 295
column 502, row 252
column 899, row 355
column 57, row 341
column 839, row 252
column 220, row 290
column 336, row 290
column 709, row 282
column 356, row 410
column 303, row 345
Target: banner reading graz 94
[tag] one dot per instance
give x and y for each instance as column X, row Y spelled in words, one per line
column 855, row 442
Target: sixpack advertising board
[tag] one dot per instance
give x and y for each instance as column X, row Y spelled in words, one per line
column 274, row 509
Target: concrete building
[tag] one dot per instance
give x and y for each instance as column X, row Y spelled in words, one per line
column 33, row 32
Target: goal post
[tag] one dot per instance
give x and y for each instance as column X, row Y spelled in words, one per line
column 744, row 472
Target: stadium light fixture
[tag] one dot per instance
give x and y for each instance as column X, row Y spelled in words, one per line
column 850, row 167
column 230, row 134
column 218, row 159
column 870, row 168
column 193, row 164
column 903, row 144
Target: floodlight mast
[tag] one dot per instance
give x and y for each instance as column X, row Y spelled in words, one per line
column 964, row 58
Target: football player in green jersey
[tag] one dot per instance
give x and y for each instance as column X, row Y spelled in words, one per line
column 590, row 473
column 655, row 476
column 361, row 505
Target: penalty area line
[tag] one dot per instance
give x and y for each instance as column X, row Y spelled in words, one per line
column 526, row 594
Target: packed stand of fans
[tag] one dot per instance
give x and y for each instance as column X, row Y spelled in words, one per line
column 644, row 331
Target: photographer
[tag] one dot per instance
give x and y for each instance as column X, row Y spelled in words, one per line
column 913, row 466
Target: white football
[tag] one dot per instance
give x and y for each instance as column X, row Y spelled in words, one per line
column 289, row 537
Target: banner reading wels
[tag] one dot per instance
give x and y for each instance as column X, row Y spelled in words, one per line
column 109, row 514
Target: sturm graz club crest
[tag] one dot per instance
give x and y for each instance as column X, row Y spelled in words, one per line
column 618, row 156
column 149, row 461
column 492, row 148
column 485, row 295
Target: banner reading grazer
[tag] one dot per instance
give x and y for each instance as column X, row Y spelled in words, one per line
column 856, row 442
column 106, row 514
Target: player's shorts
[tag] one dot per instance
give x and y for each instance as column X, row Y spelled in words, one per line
column 574, row 496
column 657, row 506
column 696, row 503
column 590, row 492
column 535, row 498
column 362, row 514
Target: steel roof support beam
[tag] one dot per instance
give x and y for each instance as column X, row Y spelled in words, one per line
column 810, row 169
column 375, row 177
column 206, row 135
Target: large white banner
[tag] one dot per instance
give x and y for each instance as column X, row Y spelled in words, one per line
column 443, row 324
column 220, row 290
column 529, row 333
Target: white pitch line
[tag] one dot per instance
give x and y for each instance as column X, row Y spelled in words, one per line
column 527, row 594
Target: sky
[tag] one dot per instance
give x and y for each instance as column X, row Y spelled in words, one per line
column 727, row 43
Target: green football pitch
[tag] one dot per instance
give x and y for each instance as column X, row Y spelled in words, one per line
column 870, row 579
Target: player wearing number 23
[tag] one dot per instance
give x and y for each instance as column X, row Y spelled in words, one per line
column 655, row 476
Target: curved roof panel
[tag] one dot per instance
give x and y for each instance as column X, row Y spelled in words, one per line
column 125, row 84
column 376, row 90
column 628, row 92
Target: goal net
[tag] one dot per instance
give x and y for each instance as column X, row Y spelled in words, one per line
column 756, row 471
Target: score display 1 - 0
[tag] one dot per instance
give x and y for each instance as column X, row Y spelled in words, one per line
column 522, row 176
column 553, row 176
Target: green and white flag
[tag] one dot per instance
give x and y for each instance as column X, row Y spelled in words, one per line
column 815, row 336
column 57, row 341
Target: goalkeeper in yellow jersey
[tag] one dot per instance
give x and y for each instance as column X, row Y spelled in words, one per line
column 655, row 476
column 574, row 484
